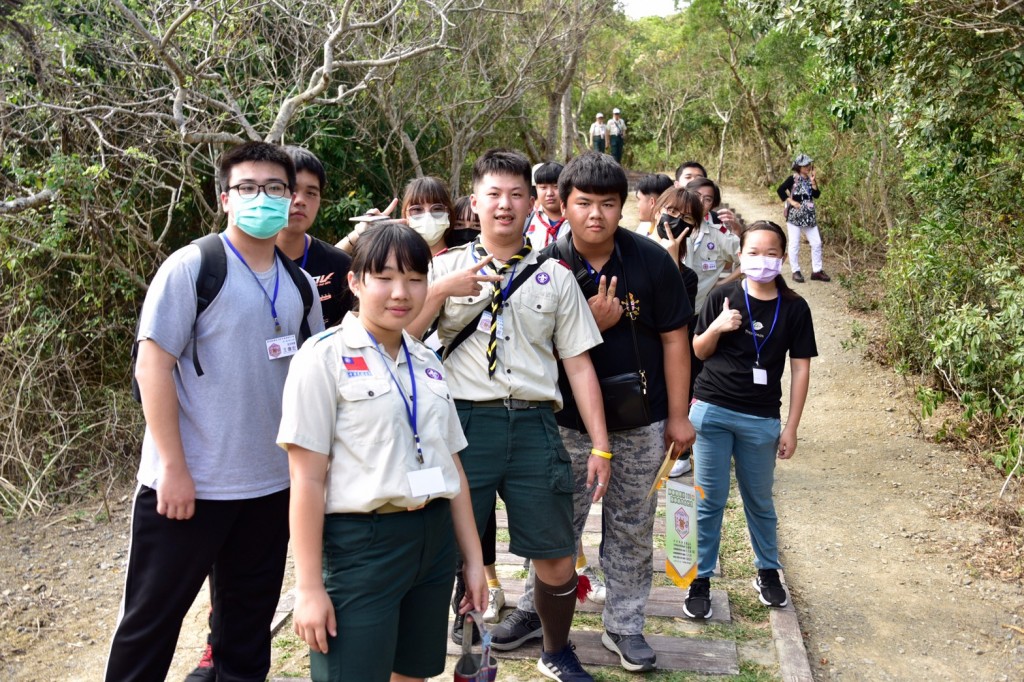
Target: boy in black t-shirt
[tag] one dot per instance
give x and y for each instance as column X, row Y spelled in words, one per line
column 634, row 290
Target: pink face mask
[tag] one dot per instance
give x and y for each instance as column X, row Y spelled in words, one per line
column 760, row 269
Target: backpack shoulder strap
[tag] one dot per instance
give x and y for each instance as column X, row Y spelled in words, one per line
column 213, row 269
column 302, row 284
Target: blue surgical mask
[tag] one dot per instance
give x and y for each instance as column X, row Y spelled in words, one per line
column 262, row 217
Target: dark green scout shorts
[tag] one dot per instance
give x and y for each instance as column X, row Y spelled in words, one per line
column 519, row 455
column 390, row 577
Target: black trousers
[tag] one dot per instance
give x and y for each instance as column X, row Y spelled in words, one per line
column 241, row 545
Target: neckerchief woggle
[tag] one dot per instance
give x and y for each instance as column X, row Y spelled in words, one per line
column 410, row 410
column 277, row 281
column 753, row 332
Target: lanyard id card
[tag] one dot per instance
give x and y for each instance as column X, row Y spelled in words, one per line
column 426, row 482
column 485, row 324
column 760, row 376
column 281, row 347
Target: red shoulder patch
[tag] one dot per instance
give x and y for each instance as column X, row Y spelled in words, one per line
column 564, row 264
column 444, row 250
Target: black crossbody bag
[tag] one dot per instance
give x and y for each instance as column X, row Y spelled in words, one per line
column 624, row 395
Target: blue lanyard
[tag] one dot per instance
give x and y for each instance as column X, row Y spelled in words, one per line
column 306, row 240
column 277, row 281
column 512, row 274
column 410, row 409
column 591, row 271
column 753, row 332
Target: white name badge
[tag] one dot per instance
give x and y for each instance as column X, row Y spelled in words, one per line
column 426, row 482
column 708, row 265
column 281, row 347
column 760, row 376
column 485, row 324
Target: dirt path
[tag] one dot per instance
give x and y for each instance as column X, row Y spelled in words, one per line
column 878, row 554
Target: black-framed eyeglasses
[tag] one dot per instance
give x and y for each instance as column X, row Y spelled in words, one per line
column 436, row 211
column 249, row 190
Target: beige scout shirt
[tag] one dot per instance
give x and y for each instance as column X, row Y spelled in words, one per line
column 547, row 313
column 708, row 251
column 340, row 400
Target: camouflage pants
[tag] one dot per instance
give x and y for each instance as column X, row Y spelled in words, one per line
column 628, row 521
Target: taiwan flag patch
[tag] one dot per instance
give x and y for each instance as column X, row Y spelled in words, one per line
column 356, row 366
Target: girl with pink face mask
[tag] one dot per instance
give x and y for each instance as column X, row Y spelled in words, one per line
column 744, row 334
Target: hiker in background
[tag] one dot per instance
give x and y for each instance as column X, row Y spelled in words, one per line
column 678, row 212
column 467, row 225
column 327, row 264
column 599, row 133
column 744, row 333
column 648, row 189
column 798, row 193
column 213, row 484
column 547, row 222
column 379, row 498
column 616, row 135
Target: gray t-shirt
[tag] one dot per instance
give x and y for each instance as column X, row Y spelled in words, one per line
column 229, row 416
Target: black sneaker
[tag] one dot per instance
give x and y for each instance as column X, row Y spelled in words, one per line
column 518, row 628
column 797, row 277
column 769, row 588
column 820, row 276
column 459, row 626
column 563, row 665
column 204, row 672
column 698, row 599
column 634, row 652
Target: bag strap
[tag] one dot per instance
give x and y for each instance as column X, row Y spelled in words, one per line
column 302, row 284
column 213, row 269
column 468, row 330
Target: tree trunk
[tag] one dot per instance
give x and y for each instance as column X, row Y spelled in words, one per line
column 551, row 134
column 726, row 117
column 568, row 127
column 755, row 114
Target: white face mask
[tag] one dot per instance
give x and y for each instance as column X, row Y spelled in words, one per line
column 429, row 227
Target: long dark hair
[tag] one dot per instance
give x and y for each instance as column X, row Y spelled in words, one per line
column 766, row 225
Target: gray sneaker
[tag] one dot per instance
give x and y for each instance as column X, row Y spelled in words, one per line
column 634, row 652
column 515, row 630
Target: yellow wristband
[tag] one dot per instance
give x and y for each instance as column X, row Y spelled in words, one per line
column 600, row 453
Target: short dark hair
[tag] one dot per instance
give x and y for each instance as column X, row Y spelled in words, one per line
column 464, row 209
column 697, row 183
column 306, row 160
column 653, row 184
column 547, row 173
column 387, row 237
column 593, row 173
column 502, row 162
column 263, row 152
column 690, row 164
column 427, row 190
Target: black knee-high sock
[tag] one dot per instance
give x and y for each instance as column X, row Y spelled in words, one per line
column 555, row 605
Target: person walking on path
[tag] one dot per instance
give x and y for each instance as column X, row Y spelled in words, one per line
column 379, row 497
column 616, row 135
column 744, row 333
column 798, row 193
column 599, row 133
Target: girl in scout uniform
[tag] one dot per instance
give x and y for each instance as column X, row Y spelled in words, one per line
column 379, row 498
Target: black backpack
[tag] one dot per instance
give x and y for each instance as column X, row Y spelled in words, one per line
column 213, row 268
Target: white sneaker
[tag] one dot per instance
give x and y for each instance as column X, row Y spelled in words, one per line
column 495, row 602
column 597, row 590
column 682, row 466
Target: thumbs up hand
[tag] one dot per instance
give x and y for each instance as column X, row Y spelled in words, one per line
column 728, row 320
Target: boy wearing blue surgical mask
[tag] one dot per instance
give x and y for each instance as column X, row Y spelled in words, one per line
column 213, row 484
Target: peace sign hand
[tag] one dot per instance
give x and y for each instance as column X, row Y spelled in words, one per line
column 466, row 281
column 674, row 245
column 605, row 305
